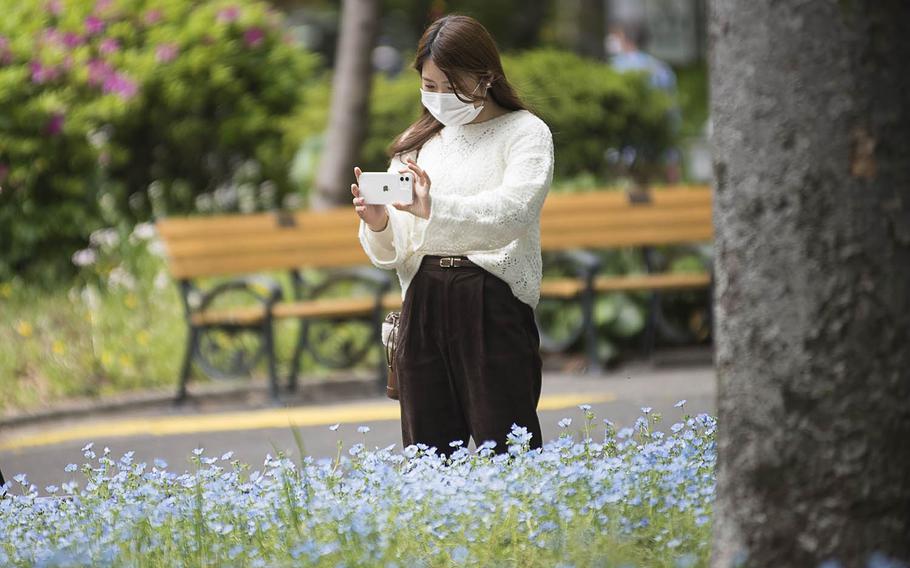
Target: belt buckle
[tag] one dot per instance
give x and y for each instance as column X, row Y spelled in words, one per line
column 449, row 261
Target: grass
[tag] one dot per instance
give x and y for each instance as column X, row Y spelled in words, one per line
column 119, row 327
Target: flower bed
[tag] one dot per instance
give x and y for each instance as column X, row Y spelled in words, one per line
column 633, row 497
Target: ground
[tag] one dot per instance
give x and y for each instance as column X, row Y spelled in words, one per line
column 42, row 449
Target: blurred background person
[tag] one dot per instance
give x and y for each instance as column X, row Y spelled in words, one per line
column 625, row 45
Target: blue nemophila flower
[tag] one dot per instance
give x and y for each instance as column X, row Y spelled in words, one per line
column 468, row 507
column 584, row 407
column 363, row 429
column 680, row 403
column 564, row 423
column 646, row 409
column 334, row 427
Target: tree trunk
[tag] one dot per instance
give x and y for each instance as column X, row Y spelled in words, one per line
column 350, row 103
column 812, row 212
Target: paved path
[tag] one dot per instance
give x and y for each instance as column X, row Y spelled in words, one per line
column 42, row 451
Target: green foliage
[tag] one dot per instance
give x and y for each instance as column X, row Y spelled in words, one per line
column 127, row 92
column 589, row 107
column 692, row 84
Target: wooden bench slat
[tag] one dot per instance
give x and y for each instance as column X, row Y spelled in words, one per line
column 326, row 242
column 669, row 198
column 560, row 287
column 321, row 243
column 571, row 287
column 607, row 238
column 308, row 220
column 324, row 307
column 622, row 220
column 361, row 306
column 246, row 264
column 637, row 282
column 242, row 244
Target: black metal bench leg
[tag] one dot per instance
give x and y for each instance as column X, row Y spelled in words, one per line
column 595, row 365
column 295, row 360
column 269, row 336
column 191, row 344
column 649, row 337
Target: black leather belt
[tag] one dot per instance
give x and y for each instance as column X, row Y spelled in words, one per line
column 447, row 261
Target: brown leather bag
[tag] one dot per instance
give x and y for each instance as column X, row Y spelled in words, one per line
column 390, row 339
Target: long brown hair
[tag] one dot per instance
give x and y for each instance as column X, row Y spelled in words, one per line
column 457, row 44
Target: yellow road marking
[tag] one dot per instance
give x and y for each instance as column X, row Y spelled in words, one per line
column 254, row 420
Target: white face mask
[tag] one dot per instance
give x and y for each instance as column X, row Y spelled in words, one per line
column 448, row 109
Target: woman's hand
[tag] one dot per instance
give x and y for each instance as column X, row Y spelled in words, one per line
column 375, row 216
column 420, row 204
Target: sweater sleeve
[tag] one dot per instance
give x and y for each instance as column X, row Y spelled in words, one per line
column 494, row 218
column 387, row 248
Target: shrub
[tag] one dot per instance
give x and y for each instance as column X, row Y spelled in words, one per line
column 589, row 107
column 101, row 98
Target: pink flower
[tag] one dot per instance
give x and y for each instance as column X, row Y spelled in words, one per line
column 6, row 56
column 94, row 25
column 120, row 84
column 108, row 46
column 55, row 7
column 52, row 36
column 253, row 37
column 43, row 73
column 72, row 40
column 228, row 15
column 54, row 126
column 166, row 52
column 98, row 71
column 152, row 17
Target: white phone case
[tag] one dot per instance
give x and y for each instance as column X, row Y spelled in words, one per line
column 383, row 188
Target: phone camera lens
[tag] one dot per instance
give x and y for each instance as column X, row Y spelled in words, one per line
column 401, row 178
column 407, row 179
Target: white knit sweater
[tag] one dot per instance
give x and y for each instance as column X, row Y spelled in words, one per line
column 488, row 184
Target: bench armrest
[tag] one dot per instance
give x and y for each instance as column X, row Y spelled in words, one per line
column 585, row 263
column 265, row 289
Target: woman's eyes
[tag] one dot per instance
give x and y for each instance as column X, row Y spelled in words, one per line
column 433, row 87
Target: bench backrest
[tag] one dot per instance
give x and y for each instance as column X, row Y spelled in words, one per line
column 242, row 244
column 261, row 242
column 614, row 219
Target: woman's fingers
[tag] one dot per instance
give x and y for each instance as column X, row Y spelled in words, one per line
column 357, row 172
column 417, row 173
column 424, row 178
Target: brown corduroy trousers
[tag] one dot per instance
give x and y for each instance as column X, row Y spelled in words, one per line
column 468, row 359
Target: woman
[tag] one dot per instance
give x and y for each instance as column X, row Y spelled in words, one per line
column 467, row 249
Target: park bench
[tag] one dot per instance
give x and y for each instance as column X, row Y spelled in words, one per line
column 575, row 224
column 225, row 339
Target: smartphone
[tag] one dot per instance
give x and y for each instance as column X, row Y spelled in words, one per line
column 382, row 188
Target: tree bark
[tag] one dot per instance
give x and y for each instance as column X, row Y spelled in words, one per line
column 349, row 113
column 811, row 119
